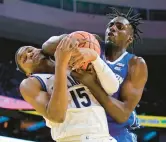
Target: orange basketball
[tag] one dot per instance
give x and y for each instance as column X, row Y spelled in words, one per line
column 87, row 40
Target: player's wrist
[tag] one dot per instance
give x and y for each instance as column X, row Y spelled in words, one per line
column 92, row 85
column 61, row 65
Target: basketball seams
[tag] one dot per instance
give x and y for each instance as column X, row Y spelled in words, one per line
column 81, row 44
column 88, row 41
column 81, row 35
column 93, row 40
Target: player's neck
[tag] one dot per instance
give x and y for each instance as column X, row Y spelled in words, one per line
column 115, row 54
column 50, row 67
column 113, row 51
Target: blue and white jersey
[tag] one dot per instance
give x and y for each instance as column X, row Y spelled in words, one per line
column 120, row 68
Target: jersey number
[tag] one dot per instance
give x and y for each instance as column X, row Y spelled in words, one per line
column 80, row 97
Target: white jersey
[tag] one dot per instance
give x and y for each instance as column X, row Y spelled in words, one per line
column 84, row 114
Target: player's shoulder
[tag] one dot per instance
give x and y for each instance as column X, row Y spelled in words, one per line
column 137, row 61
column 30, row 82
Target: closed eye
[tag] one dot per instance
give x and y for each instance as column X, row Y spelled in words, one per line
column 119, row 26
column 30, row 50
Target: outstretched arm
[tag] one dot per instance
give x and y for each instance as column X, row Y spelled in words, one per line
column 51, row 44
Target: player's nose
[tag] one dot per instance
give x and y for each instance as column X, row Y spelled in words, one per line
column 30, row 54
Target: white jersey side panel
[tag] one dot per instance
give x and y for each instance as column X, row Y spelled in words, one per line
column 79, row 94
column 84, row 114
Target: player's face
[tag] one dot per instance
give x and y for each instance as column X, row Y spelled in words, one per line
column 30, row 58
column 118, row 32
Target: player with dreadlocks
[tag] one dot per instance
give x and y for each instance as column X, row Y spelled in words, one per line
column 124, row 19
column 122, row 31
column 131, row 71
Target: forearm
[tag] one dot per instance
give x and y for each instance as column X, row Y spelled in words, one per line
column 106, row 76
column 49, row 47
column 115, row 108
column 59, row 99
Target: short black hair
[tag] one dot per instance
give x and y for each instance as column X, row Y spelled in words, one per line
column 134, row 21
column 18, row 67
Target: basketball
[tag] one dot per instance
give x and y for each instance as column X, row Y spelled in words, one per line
column 86, row 40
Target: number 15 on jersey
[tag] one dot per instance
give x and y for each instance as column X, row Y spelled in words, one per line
column 80, row 97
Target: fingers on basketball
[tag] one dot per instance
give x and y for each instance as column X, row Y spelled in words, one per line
column 86, row 40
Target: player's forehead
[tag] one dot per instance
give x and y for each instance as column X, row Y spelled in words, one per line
column 121, row 20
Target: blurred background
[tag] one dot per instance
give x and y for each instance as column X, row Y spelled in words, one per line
column 31, row 22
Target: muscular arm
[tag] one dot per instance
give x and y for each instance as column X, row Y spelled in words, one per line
column 52, row 107
column 31, row 90
column 51, row 44
column 131, row 92
column 59, row 98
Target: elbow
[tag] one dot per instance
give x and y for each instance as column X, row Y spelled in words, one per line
column 47, row 49
column 44, row 49
column 45, row 46
column 122, row 119
column 56, row 116
column 59, row 119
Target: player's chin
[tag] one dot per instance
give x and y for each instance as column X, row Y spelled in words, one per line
column 110, row 42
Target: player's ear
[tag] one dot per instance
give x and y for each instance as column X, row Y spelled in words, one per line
column 130, row 40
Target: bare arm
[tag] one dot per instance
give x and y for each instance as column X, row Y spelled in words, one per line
column 59, row 98
column 51, row 44
column 31, row 90
column 131, row 91
column 52, row 107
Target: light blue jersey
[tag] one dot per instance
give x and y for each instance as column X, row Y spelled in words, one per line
column 120, row 68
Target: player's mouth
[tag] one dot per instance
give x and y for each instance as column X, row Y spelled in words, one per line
column 110, row 34
column 38, row 57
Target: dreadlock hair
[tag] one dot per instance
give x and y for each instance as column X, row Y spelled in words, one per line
column 134, row 21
